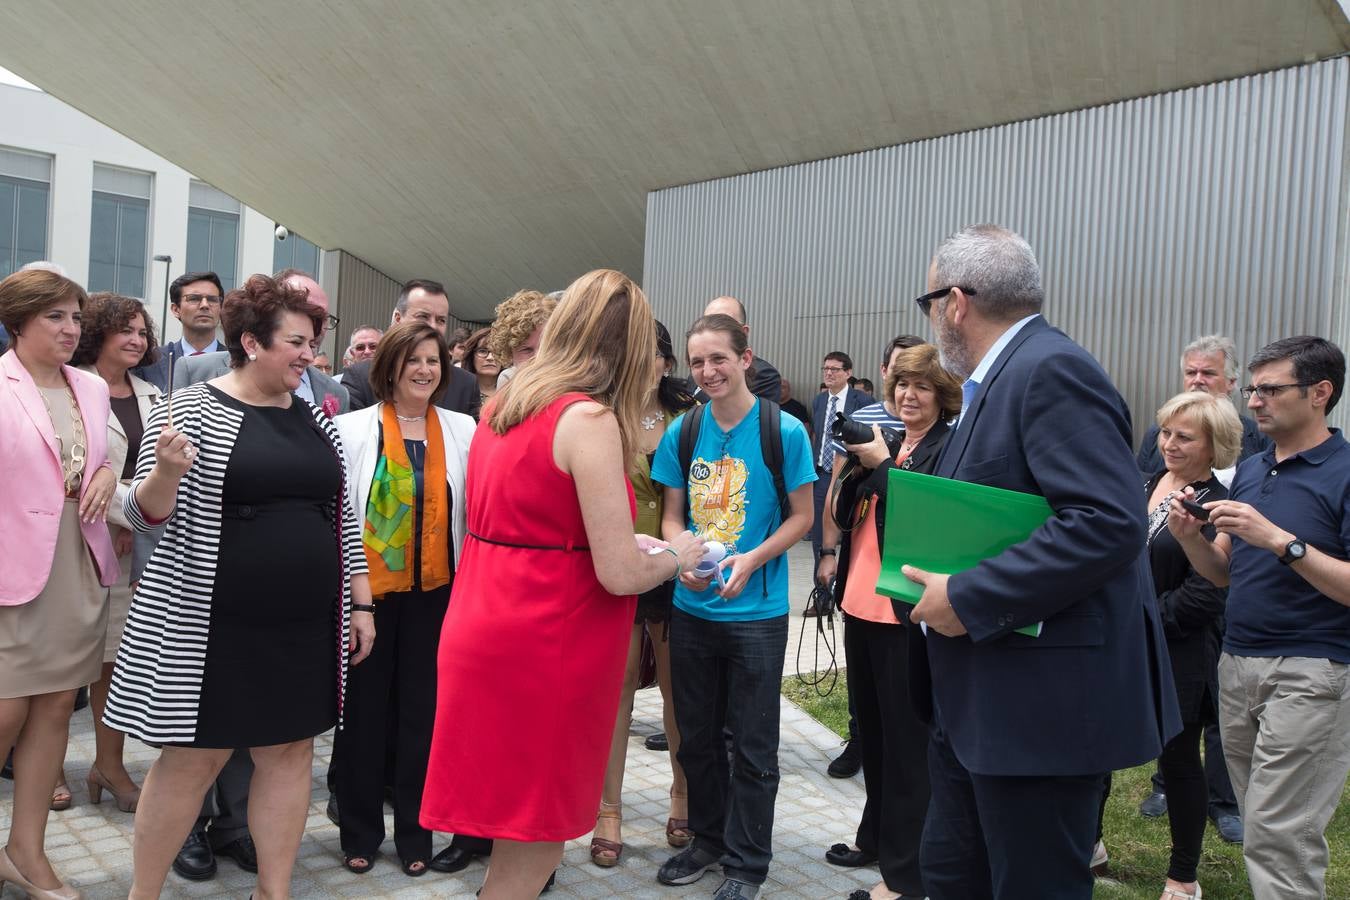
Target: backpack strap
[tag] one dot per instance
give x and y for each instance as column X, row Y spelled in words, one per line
column 771, row 448
column 689, row 428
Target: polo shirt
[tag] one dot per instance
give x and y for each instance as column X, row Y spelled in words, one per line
column 1272, row 610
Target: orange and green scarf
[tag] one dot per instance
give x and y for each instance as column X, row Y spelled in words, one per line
column 391, row 512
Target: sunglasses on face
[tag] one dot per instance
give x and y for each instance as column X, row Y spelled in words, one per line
column 925, row 302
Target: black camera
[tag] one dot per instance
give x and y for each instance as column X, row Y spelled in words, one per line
column 846, row 431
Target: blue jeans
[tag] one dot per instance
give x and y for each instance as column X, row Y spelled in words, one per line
column 729, row 675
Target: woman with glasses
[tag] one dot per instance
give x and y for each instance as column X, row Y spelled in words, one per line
column 479, row 360
column 56, row 556
column 254, row 602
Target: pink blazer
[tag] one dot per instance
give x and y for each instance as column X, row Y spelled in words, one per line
column 33, row 488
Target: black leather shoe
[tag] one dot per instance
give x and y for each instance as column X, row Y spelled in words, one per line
column 451, row 859
column 195, row 861
column 1154, row 805
column 841, row 855
column 847, row 764
column 242, row 852
column 332, row 810
column 657, row 742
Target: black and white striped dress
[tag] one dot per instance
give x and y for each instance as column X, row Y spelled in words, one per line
column 157, row 683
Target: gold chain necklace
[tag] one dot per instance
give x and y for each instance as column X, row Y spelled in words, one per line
column 72, row 469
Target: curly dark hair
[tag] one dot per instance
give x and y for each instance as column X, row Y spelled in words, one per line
column 257, row 308
column 106, row 314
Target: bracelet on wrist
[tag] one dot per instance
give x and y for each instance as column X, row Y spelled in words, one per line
column 364, row 607
column 671, row 551
column 828, row 551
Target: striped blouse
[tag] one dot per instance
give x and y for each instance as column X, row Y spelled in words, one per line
column 157, row 680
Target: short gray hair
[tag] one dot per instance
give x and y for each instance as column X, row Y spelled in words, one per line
column 998, row 265
column 1214, row 343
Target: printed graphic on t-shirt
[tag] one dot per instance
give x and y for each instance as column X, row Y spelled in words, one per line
column 717, row 498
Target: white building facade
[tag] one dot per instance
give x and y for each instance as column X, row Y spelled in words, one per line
column 81, row 195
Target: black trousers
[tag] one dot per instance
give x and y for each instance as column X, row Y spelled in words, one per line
column 894, row 751
column 1222, row 800
column 391, row 696
column 1000, row 837
column 225, row 808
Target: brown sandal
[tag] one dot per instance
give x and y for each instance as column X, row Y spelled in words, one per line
column 600, row 847
column 677, row 830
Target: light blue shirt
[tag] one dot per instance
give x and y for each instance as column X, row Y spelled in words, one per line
column 972, row 384
column 187, row 349
column 732, row 499
column 305, row 391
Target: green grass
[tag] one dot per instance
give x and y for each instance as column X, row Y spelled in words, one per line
column 1138, row 846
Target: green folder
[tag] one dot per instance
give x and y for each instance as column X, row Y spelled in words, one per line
column 946, row 526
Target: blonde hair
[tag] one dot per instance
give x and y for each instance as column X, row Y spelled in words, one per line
column 602, row 343
column 1216, row 416
column 517, row 317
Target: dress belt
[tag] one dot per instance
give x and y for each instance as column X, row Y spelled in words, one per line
column 568, row 548
column 248, row 511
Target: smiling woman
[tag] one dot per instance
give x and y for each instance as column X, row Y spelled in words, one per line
column 408, row 460
column 220, row 618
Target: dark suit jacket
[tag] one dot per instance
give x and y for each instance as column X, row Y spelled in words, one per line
column 1094, row 692
column 157, row 373
column 853, row 400
column 461, row 395
column 1150, row 460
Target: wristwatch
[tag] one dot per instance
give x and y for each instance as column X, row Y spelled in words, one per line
column 827, row 551
column 1293, row 551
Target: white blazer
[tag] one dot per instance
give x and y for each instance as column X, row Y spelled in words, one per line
column 360, row 442
column 147, row 395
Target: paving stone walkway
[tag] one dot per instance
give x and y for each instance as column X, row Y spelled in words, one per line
column 91, row 845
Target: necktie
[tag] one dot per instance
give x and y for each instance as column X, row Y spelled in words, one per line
column 826, row 445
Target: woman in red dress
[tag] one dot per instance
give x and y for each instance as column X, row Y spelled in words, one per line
column 537, row 629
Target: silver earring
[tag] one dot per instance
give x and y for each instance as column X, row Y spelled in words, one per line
column 252, row 357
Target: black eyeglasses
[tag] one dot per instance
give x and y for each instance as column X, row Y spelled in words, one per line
column 332, row 321
column 209, row 299
column 1267, row 391
column 926, row 301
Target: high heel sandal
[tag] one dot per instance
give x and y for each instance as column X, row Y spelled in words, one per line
column 97, row 783
column 677, row 830
column 61, row 796
column 600, row 846
column 10, row 873
column 1170, row 892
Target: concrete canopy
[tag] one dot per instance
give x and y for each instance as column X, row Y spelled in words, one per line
column 499, row 145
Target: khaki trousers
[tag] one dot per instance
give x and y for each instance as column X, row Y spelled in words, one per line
column 1286, row 738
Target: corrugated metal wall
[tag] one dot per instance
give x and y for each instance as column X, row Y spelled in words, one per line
column 363, row 295
column 1214, row 209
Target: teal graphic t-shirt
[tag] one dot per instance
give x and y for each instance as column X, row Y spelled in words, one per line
column 732, row 500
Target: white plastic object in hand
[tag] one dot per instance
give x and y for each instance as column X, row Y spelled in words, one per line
column 710, row 566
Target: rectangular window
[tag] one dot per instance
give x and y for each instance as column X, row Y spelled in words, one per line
column 213, row 233
column 119, row 231
column 295, row 253
column 25, row 189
